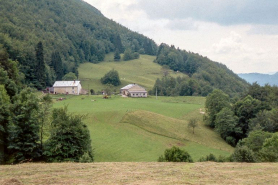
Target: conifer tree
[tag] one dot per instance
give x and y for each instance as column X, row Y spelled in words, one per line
column 4, row 119
column 117, row 55
column 69, row 139
column 117, row 41
column 40, row 67
column 24, row 127
column 56, row 63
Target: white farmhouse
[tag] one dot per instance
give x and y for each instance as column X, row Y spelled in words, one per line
column 134, row 90
column 67, row 87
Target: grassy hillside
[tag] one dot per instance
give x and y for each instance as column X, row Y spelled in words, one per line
column 142, row 71
column 128, row 129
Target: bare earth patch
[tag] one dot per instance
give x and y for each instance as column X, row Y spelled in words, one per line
column 139, row 173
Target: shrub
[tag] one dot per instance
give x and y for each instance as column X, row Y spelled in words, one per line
column 175, row 155
column 209, row 157
column 92, row 91
column 161, row 159
column 243, row 154
column 222, row 159
column 85, row 158
column 231, row 140
column 269, row 152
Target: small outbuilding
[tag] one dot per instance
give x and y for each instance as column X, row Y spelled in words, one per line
column 134, row 90
column 67, row 87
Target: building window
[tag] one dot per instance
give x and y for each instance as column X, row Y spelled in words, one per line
column 144, row 94
column 72, row 87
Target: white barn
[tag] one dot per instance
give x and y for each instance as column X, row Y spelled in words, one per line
column 67, row 87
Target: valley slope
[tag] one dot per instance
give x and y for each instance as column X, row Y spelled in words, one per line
column 140, row 129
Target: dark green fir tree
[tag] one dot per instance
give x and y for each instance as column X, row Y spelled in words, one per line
column 56, row 63
column 117, row 56
column 40, row 67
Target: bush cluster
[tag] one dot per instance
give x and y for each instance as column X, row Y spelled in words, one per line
column 175, row 154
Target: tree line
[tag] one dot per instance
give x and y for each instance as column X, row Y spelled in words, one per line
column 250, row 123
column 180, row 86
column 30, row 129
column 201, row 72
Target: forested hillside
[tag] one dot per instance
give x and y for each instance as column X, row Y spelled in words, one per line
column 203, row 74
column 51, row 38
column 74, row 30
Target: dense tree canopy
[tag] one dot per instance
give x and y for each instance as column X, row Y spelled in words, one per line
column 10, row 76
column 25, row 123
column 252, row 116
column 203, row 71
column 4, row 120
column 72, row 28
column 226, row 125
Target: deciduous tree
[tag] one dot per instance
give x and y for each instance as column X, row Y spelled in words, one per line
column 112, row 77
column 269, row 152
column 193, row 124
column 226, row 125
column 215, row 102
column 70, row 76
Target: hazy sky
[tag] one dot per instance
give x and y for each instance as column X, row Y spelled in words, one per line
column 242, row 34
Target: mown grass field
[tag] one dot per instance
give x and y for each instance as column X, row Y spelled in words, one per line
column 140, row 129
column 139, row 173
column 142, row 71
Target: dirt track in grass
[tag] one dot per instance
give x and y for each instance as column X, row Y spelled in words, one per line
column 139, row 173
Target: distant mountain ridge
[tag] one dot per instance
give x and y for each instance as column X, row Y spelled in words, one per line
column 261, row 79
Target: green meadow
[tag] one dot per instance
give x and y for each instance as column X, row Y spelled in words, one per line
column 142, row 71
column 140, row 129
